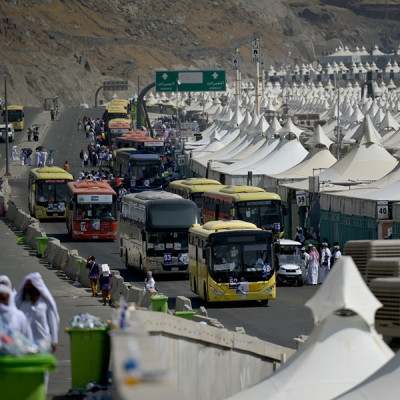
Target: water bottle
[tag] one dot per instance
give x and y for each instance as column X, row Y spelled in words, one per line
column 132, row 371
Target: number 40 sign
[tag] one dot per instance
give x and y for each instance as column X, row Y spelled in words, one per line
column 382, row 209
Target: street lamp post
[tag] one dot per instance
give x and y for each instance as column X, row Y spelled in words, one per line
column 138, row 83
column 6, row 120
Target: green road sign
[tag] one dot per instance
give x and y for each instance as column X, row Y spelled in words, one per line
column 190, row 81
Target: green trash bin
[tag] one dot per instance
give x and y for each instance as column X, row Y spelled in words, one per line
column 22, row 377
column 90, row 355
column 42, row 242
column 160, row 303
column 79, row 262
column 185, row 314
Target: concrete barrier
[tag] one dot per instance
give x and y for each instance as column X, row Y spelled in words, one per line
column 238, row 360
column 183, row 304
column 56, row 254
column 11, row 210
column 5, row 195
column 32, row 232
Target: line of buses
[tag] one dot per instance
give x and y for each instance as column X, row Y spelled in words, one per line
column 228, row 258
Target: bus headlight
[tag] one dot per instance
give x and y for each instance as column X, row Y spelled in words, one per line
column 269, row 290
column 215, row 291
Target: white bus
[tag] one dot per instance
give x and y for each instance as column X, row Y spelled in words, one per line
column 153, row 231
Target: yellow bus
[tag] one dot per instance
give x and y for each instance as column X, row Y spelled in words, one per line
column 247, row 203
column 15, row 116
column 231, row 261
column 194, row 188
column 121, row 102
column 47, row 192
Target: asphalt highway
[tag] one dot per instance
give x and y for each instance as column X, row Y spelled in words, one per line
column 279, row 322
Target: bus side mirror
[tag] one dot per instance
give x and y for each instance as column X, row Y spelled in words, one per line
column 33, row 187
column 205, row 253
column 143, row 236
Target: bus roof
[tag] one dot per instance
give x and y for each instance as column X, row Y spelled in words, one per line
column 200, row 182
column 119, row 121
column 51, row 173
column 223, row 226
column 153, row 195
column 243, row 193
column 90, row 186
column 15, row 107
column 196, row 187
column 138, row 138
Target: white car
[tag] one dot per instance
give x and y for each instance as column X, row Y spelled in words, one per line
column 10, row 132
column 289, row 269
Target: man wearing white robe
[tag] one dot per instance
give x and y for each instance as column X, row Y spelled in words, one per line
column 34, row 299
column 13, row 318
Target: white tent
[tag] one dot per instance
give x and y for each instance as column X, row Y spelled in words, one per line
column 342, row 350
column 383, row 384
column 318, row 157
column 367, row 161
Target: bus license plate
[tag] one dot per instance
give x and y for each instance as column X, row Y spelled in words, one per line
column 95, row 237
column 174, row 269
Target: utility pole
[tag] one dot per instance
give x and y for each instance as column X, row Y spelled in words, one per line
column 255, row 57
column 6, row 120
column 338, row 119
column 236, row 64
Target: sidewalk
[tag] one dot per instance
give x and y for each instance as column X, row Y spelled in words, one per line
column 17, row 261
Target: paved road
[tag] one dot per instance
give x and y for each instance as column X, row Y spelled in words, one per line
column 279, row 323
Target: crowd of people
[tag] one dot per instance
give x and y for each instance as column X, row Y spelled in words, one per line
column 318, row 258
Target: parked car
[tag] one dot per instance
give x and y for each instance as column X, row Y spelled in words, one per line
column 10, row 132
column 288, row 270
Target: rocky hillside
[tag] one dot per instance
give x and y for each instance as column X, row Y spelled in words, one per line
column 66, row 48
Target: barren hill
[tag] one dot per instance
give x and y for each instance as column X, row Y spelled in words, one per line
column 66, row 48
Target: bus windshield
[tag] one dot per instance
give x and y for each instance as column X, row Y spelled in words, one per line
column 165, row 215
column 263, row 214
column 235, row 262
column 146, row 169
column 15, row 115
column 51, row 191
column 88, row 211
column 172, row 241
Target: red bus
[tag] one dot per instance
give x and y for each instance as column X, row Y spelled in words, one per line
column 91, row 211
column 139, row 141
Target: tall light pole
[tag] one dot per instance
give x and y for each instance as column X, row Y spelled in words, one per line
column 255, row 58
column 338, row 119
column 178, row 82
column 138, row 83
column 6, row 120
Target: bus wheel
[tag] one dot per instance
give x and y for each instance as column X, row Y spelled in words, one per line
column 126, row 259
column 194, row 285
column 141, row 265
column 205, row 294
column 264, row 302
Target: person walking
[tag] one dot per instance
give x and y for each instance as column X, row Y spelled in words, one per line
column 34, row 299
column 94, row 273
column 14, row 319
column 105, row 283
column 36, row 134
column 30, row 132
column 149, row 282
column 38, row 157
column 43, row 157
column 325, row 262
column 335, row 255
column 14, row 153
column 66, row 166
column 313, row 267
